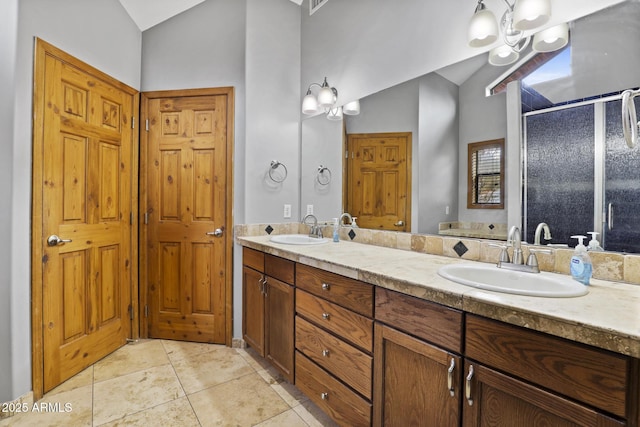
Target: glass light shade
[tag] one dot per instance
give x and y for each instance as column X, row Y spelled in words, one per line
column 502, row 55
column 531, row 14
column 351, row 108
column 483, row 29
column 335, row 114
column 326, row 97
column 551, row 39
column 310, row 104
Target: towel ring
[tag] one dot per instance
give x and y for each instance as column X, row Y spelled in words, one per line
column 275, row 165
column 324, row 175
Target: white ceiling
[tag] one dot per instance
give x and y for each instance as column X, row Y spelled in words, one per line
column 147, row 13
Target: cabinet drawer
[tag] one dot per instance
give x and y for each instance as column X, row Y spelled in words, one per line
column 349, row 293
column 254, row 259
column 280, row 268
column 343, row 360
column 592, row 376
column 333, row 397
column 351, row 326
column 432, row 322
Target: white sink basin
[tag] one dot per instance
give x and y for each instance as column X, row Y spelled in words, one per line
column 492, row 278
column 297, row 239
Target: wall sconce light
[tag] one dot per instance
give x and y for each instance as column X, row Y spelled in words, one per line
column 326, row 98
column 521, row 16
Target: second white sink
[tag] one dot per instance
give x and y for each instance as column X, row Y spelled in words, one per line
column 492, row 278
column 297, row 239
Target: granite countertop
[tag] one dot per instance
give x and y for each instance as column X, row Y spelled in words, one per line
column 607, row 317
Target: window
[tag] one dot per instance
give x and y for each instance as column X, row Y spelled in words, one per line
column 485, row 182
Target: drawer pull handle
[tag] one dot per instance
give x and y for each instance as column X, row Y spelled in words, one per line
column 326, row 316
column 324, row 396
column 325, row 353
column 467, row 389
column 452, row 366
column 326, row 286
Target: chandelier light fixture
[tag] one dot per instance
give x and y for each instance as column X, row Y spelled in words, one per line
column 520, row 16
column 325, row 101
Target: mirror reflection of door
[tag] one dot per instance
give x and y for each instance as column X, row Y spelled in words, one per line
column 379, row 180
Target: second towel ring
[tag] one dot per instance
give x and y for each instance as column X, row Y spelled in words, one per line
column 275, row 165
column 324, row 175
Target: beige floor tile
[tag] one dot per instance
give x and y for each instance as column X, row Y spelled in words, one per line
column 135, row 392
column 208, row 369
column 171, row 414
column 244, row 401
column 133, row 357
column 289, row 419
column 66, row 408
column 256, row 361
column 313, row 415
column 81, row 379
column 287, row 391
column 178, row 350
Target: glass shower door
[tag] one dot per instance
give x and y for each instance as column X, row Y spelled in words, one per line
column 621, row 231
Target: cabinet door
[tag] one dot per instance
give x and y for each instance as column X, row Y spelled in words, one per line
column 279, row 306
column 253, row 309
column 416, row 383
column 497, row 400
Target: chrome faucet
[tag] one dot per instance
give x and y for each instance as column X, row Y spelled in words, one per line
column 547, row 233
column 315, row 230
column 514, row 239
column 343, row 216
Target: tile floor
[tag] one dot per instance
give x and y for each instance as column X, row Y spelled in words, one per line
column 171, row 383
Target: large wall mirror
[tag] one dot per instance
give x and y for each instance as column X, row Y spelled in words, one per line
column 446, row 110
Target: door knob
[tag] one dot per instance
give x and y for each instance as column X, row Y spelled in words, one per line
column 54, row 240
column 217, row 233
column 399, row 223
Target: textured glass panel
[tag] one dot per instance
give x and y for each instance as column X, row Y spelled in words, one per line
column 622, row 185
column 560, row 172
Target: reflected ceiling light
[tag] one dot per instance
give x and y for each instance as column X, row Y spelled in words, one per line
column 351, row 108
column 531, row 14
column 551, row 39
column 335, row 113
column 325, row 99
column 503, row 55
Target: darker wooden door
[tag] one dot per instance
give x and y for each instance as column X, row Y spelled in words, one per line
column 83, row 160
column 379, row 180
column 253, row 324
column 279, row 331
column 188, row 209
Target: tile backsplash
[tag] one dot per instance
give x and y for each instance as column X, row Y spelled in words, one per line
column 613, row 266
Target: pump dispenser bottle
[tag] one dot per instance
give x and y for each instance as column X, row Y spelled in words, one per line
column 336, row 230
column 594, row 245
column 581, row 267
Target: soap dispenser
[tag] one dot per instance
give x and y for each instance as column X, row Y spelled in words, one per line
column 581, row 267
column 594, row 245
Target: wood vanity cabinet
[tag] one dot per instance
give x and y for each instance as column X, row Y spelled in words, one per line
column 518, row 377
column 334, row 344
column 268, row 308
column 418, row 366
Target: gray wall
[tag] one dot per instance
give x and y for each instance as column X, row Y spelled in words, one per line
column 100, row 33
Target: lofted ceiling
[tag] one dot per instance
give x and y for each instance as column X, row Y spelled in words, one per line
column 147, row 13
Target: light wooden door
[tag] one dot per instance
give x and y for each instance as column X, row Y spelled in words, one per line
column 188, row 224
column 83, row 160
column 379, row 180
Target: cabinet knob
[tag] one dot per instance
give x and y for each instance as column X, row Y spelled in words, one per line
column 324, row 396
column 326, row 316
column 325, row 353
column 326, row 286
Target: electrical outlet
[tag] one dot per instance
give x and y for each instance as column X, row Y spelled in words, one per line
column 287, row 211
column 309, row 209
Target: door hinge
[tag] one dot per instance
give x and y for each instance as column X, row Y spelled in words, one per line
column 131, row 312
column 133, row 122
column 146, row 218
column 146, row 126
column 146, row 311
